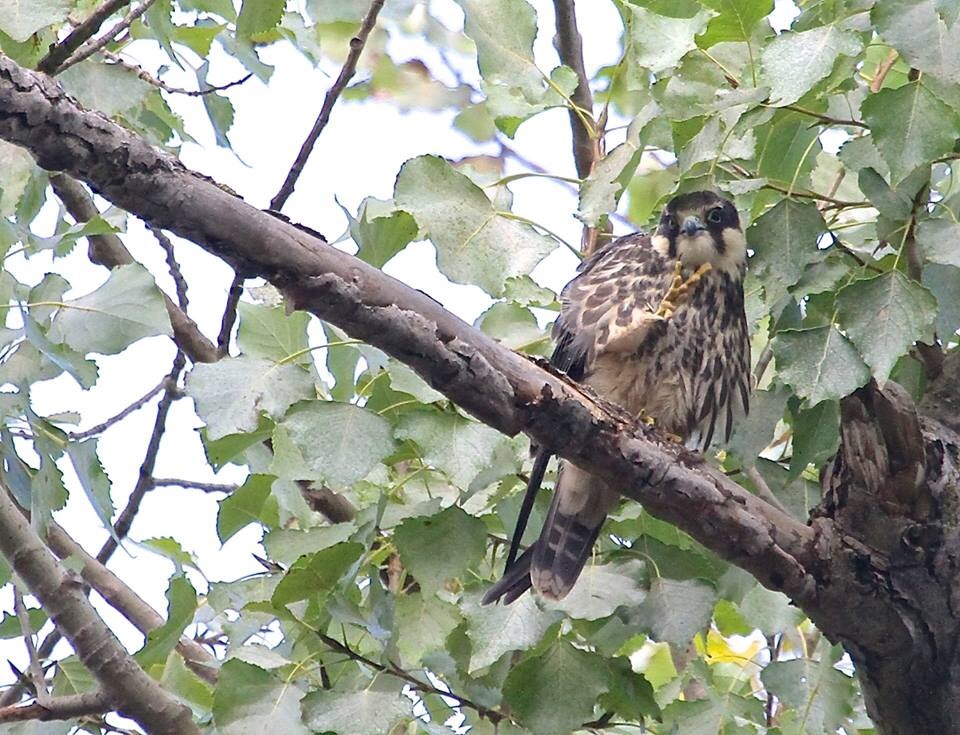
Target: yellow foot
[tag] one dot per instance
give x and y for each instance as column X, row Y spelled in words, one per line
column 680, row 290
column 673, row 438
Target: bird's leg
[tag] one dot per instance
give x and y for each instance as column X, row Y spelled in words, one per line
column 644, row 418
column 680, row 289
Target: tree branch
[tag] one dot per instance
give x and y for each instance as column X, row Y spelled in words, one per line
column 570, row 48
column 58, row 53
column 135, row 406
column 58, row 708
column 672, row 483
column 333, row 94
column 91, row 48
column 125, row 684
column 230, row 314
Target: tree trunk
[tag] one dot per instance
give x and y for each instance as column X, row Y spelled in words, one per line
column 889, row 546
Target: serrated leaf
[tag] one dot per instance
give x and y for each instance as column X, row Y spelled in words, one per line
column 405, row 380
column 890, row 203
column 785, row 242
column 361, row 712
column 555, row 692
column 126, row 308
column 181, row 604
column 381, row 231
column 919, row 33
column 93, row 480
column 258, row 16
column 883, row 316
column 316, row 574
column 940, row 241
column 816, row 436
column 337, row 443
column 736, row 20
column 944, row 283
column 243, row 506
column 421, row 624
column 494, row 630
column 458, row 446
column 769, row 611
column 112, row 89
column 794, row 62
column 659, row 41
column 286, row 545
column 20, row 19
column 820, row 694
column 911, row 126
column 819, row 363
column 231, row 393
column 674, row 611
column 16, row 168
column 440, row 547
column 475, row 243
column 250, row 700
column 269, row 332
column 601, row 589
column 601, row 191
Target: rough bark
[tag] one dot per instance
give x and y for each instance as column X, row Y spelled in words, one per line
column 874, row 569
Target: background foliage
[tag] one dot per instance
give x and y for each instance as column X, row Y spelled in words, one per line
column 836, row 139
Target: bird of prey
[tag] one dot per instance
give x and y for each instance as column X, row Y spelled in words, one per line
column 657, row 325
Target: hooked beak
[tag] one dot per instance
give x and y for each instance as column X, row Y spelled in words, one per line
column 692, row 225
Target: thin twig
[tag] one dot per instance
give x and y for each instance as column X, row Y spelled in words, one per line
column 763, row 489
column 92, row 47
column 136, row 405
column 179, row 282
column 826, row 119
column 333, row 94
column 58, row 708
column 35, row 670
column 144, row 480
column 570, row 48
column 155, row 81
column 883, row 68
column 207, row 487
column 230, row 314
column 59, row 52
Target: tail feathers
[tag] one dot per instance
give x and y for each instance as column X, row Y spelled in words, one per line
column 561, row 552
column 536, row 478
column 514, row 582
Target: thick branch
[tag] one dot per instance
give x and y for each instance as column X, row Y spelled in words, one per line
column 455, row 358
column 128, row 687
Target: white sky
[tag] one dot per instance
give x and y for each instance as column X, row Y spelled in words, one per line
column 358, row 155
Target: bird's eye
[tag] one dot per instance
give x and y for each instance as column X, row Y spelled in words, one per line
column 715, row 216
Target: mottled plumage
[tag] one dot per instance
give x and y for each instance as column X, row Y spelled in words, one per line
column 682, row 359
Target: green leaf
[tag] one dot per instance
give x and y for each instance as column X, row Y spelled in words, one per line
column 16, row 168
column 818, row 693
column 736, row 20
column 93, row 480
column 181, row 604
column 794, row 62
column 243, row 506
column 458, row 446
column 337, row 443
column 10, row 626
column 126, row 308
column 769, row 611
column 718, row 712
column 755, row 431
column 890, row 203
column 785, row 242
column 316, row 574
column 674, row 611
column 940, row 241
column 919, row 33
column 475, row 242
column 250, row 700
column 231, row 393
column 494, row 630
column 421, row 625
column 405, row 380
column 601, row 191
column 367, row 711
column 884, row 316
column 20, row 19
column 219, row 109
column 911, row 126
column 286, row 545
column 658, row 42
column 555, row 692
column 944, row 283
column 259, row 16
column 48, row 493
column 819, row 363
column 516, row 327
column 816, row 436
column 381, row 231
column 271, row 333
column 440, row 547
column 112, row 89
column 601, row 589
column 631, row 694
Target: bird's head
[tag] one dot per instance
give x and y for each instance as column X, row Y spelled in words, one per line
column 702, row 227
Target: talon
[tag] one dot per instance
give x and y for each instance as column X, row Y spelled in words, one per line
column 670, row 437
column 679, row 290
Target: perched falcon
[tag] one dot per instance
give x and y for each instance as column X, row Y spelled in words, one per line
column 657, row 325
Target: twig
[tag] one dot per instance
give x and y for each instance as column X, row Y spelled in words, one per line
column 333, row 94
column 136, row 405
column 207, row 487
column 92, row 47
column 154, row 81
column 827, row 119
column 109, row 251
column 35, row 670
column 230, row 314
column 58, row 591
column 144, row 480
column 883, row 68
column 59, row 52
column 763, row 489
column 179, row 282
column 570, row 48
column 58, row 708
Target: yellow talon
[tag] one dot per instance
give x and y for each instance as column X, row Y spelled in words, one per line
column 679, row 290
